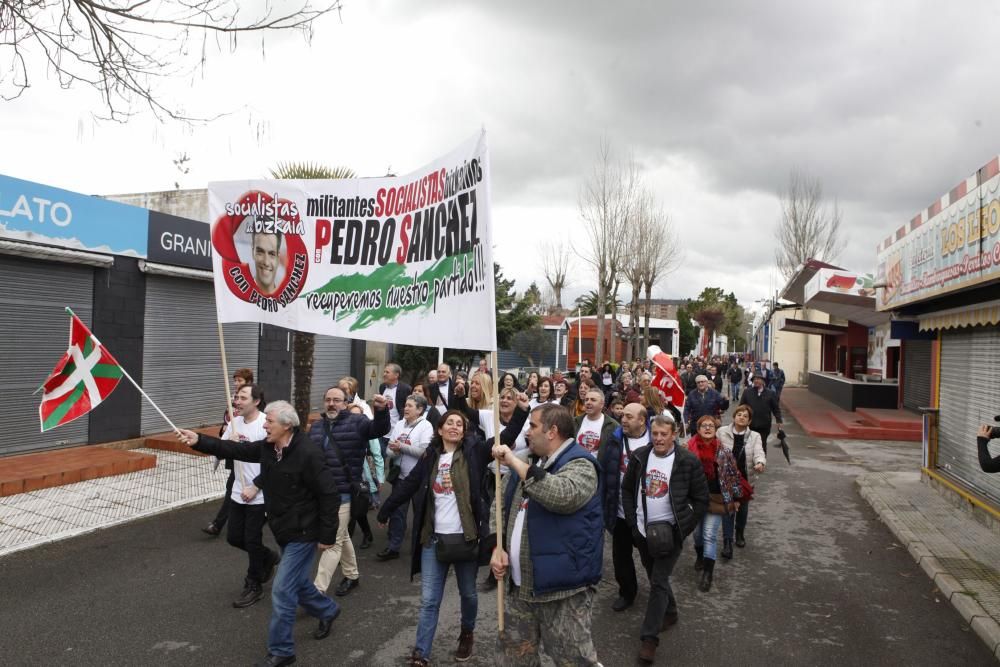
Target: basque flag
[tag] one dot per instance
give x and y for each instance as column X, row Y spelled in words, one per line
column 84, row 376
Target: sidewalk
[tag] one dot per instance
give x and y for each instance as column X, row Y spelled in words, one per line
column 47, row 515
column 955, row 551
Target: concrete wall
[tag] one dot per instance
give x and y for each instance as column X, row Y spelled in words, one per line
column 789, row 348
column 191, row 204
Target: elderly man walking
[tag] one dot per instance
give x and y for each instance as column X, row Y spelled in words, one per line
column 302, row 502
column 553, row 523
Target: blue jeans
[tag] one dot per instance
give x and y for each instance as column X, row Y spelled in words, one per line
column 433, row 574
column 706, row 534
column 735, row 391
column 292, row 587
column 397, row 524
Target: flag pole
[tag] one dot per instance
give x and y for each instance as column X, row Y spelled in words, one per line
column 225, row 373
column 498, row 491
column 134, row 383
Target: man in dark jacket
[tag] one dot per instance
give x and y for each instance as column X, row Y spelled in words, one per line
column 777, row 381
column 302, row 502
column 715, row 377
column 344, row 437
column 614, row 458
column 704, row 400
column 764, row 403
column 735, row 380
column 664, row 483
column 395, row 391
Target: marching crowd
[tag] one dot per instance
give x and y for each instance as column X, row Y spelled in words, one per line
column 603, row 454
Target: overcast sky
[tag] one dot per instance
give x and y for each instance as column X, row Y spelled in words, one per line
column 888, row 104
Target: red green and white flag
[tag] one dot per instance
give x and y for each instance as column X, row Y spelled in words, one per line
column 84, row 376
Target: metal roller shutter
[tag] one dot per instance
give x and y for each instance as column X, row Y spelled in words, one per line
column 970, row 396
column 331, row 361
column 181, row 367
column 34, row 332
column 917, row 374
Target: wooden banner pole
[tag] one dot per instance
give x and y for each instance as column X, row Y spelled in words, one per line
column 499, row 492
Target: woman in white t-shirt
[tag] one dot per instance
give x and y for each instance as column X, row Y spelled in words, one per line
column 545, row 393
column 446, row 489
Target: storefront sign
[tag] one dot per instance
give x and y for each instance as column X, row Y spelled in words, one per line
column 835, row 281
column 179, row 241
column 42, row 214
column 953, row 245
column 404, row 259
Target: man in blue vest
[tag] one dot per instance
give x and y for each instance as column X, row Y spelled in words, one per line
column 553, row 526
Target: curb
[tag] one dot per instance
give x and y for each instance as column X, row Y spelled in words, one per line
column 964, row 603
column 86, row 530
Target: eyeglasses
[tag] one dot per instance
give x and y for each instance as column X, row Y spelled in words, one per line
column 709, row 427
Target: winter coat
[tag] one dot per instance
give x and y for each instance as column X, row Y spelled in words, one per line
column 418, row 485
column 763, row 405
column 698, row 405
column 300, row 494
column 351, row 434
column 753, row 449
column 688, row 488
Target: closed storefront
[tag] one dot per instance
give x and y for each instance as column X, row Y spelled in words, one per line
column 182, row 367
column 34, row 332
column 331, row 361
column 970, row 396
column 916, row 374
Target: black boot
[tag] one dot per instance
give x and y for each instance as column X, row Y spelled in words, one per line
column 740, row 540
column 699, row 562
column 706, row 576
column 727, row 548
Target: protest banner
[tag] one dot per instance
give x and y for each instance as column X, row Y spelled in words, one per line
column 403, row 259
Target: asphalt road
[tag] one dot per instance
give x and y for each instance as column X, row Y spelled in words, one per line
column 821, row 582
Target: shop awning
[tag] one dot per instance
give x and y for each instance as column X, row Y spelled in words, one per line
column 967, row 316
column 795, row 289
column 807, row 327
column 846, row 295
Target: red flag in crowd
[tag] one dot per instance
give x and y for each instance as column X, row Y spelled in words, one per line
column 665, row 376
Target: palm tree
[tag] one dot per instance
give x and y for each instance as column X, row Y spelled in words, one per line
column 304, row 344
column 588, row 303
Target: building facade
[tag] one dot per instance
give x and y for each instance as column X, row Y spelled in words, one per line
column 141, row 279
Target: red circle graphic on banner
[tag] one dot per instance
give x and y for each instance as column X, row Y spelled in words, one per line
column 273, row 229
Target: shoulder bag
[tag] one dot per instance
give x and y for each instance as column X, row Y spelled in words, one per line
column 454, row 548
column 361, row 498
column 659, row 534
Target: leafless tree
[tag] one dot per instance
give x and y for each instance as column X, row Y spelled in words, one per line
column 808, row 229
column 633, row 265
column 124, row 47
column 606, row 205
column 555, row 264
column 665, row 255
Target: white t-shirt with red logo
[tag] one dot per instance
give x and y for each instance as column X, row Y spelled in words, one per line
column 244, row 473
column 589, row 435
column 628, row 445
column 446, row 518
column 657, row 487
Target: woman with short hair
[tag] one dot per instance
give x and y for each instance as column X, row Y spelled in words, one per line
column 751, row 459
column 724, row 491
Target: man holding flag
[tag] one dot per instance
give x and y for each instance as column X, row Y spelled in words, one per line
column 302, row 503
